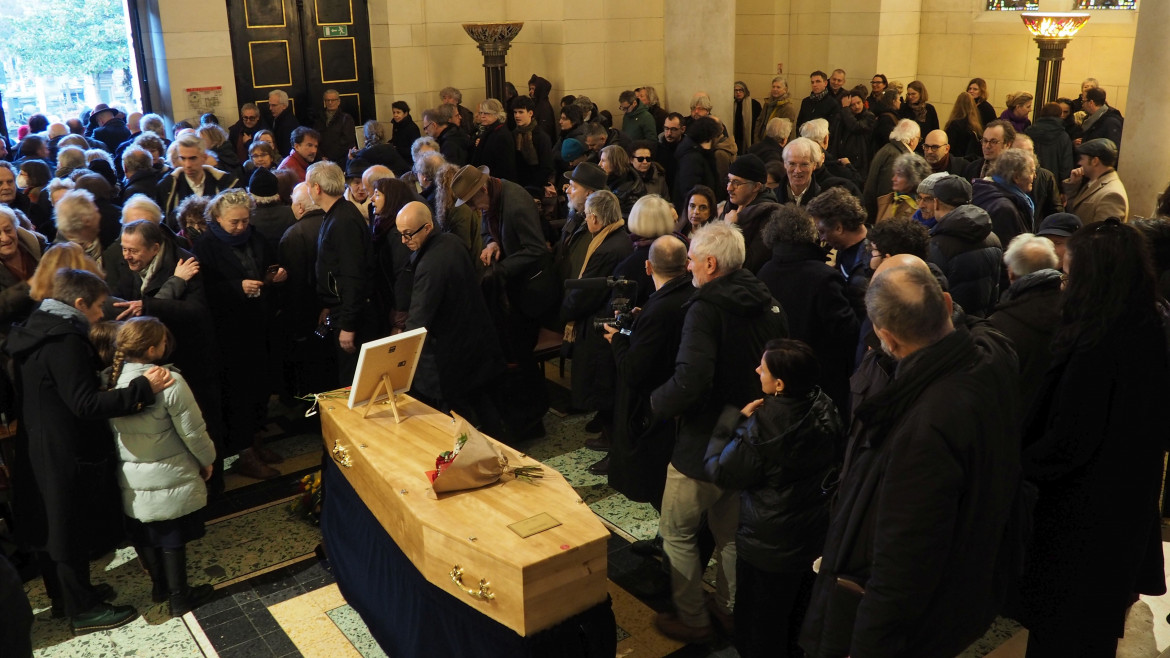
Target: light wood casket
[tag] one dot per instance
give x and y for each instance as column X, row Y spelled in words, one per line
column 535, row 582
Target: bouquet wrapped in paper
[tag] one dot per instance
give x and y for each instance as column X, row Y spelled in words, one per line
column 473, row 462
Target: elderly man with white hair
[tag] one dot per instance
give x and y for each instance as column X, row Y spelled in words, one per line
column 730, row 319
column 903, row 139
column 802, row 157
column 283, row 121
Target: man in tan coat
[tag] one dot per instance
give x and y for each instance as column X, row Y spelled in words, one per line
column 1093, row 189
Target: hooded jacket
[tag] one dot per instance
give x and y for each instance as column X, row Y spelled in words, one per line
column 173, row 188
column 696, row 166
column 728, row 322
column 1010, row 215
column 544, row 115
column 1053, row 147
column 161, row 450
column 969, row 255
column 778, row 457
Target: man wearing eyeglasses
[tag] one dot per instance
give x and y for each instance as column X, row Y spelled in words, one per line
column 936, row 148
column 750, row 204
column 336, row 128
column 637, row 121
column 240, row 134
column 461, row 357
column 997, row 136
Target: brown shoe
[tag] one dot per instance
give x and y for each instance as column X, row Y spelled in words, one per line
column 249, row 465
column 672, row 627
column 268, row 456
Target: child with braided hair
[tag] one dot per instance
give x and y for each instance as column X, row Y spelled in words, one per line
column 165, row 456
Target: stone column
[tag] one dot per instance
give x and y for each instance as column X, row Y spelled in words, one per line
column 699, row 45
column 1145, row 164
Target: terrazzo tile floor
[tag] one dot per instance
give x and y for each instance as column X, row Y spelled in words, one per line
column 276, row 597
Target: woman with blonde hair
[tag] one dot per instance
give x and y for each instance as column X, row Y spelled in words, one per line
column 66, row 254
column 651, row 218
column 1019, row 106
column 495, row 148
column 965, row 128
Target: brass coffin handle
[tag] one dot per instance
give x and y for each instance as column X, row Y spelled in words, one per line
column 341, row 454
column 484, row 592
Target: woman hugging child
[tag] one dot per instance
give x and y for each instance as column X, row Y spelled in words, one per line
column 165, row 456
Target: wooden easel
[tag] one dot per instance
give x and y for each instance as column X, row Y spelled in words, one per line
column 391, row 398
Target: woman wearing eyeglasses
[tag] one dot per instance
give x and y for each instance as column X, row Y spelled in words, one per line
column 1093, row 446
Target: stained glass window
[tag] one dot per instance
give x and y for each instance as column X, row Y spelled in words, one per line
column 1105, row 4
column 1013, row 5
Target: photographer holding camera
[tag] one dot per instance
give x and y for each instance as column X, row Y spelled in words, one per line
column 593, row 369
column 644, row 354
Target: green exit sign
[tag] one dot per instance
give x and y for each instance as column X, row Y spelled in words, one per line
column 335, row 30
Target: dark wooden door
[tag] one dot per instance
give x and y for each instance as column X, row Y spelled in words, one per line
column 303, row 47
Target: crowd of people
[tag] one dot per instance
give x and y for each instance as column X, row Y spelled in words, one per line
column 918, row 353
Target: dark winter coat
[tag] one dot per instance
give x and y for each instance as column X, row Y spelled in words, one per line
column 1045, row 196
column 819, row 313
column 461, row 352
column 853, row 136
column 969, row 255
column 143, row 182
column 825, row 108
column 236, row 137
column 272, row 220
column 751, row 220
column 344, row 267
column 386, row 155
column 633, row 268
column 1094, row 447
column 728, row 322
column 929, row 122
column 402, row 138
column 768, row 150
column 1029, row 313
column 455, row 145
column 298, row 256
column 282, row 128
column 695, row 165
column 779, row 458
column 593, row 366
column 1053, row 147
column 113, row 133
column 496, row 150
column 1010, row 216
column 173, row 188
column 535, row 176
column 65, row 496
column 1108, row 126
column 987, row 112
column 15, row 303
column 881, row 173
column 525, row 260
column 639, row 124
column 642, row 445
column 544, row 115
column 338, row 136
column 964, row 141
column 628, row 189
column 929, row 479
column 655, row 181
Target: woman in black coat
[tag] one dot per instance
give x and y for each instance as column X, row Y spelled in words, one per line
column 239, row 270
column 778, row 450
column 405, row 129
column 622, row 180
column 593, row 366
column 66, row 498
column 494, row 146
column 813, row 296
column 1093, row 446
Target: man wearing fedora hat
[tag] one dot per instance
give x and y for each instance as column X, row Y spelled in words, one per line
column 108, row 127
column 1093, row 189
column 585, row 179
column 516, row 251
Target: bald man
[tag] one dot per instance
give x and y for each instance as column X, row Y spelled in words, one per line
column 936, row 148
column 461, row 358
column 933, row 470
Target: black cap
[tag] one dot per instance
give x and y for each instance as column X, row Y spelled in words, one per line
column 589, row 175
column 263, row 183
column 749, row 167
column 1101, row 148
column 953, row 191
column 1061, row 223
column 356, row 168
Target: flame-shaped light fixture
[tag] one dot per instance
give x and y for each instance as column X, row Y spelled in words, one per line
column 1052, row 32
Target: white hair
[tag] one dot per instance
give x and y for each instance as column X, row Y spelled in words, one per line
column 778, row 128
column 724, row 242
column 906, row 131
column 1028, row 253
column 806, row 146
column 145, row 203
column 816, row 129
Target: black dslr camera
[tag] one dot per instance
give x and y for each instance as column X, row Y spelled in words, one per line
column 621, row 304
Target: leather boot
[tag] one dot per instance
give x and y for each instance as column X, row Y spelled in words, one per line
column 151, row 557
column 183, row 599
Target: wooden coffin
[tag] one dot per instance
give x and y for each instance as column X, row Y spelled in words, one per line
column 534, row 582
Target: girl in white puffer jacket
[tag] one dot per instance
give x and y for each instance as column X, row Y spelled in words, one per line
column 166, row 455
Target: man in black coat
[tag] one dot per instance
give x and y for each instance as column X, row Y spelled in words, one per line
column 141, row 176
column 1101, row 120
column 176, row 184
column 514, row 244
column 964, row 247
column 929, row 479
column 694, row 161
column 344, row 268
column 64, row 492
column 820, row 104
column 644, row 353
column 284, row 122
column 461, row 358
column 454, row 143
column 309, row 361
column 336, row 126
column 1029, row 311
column 112, row 130
column 240, row 133
column 728, row 321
